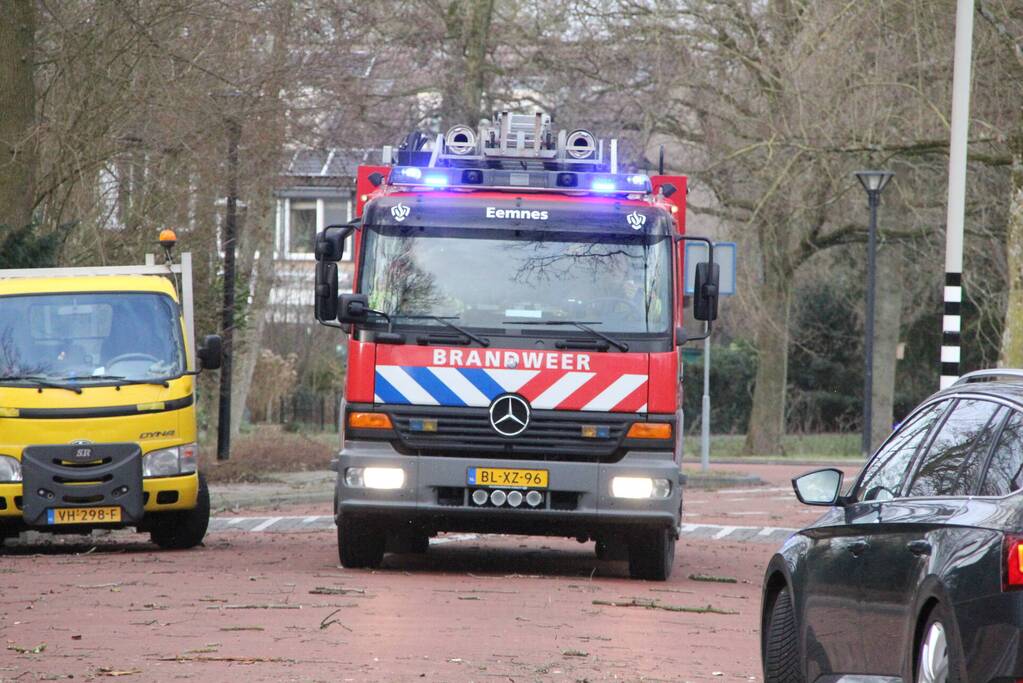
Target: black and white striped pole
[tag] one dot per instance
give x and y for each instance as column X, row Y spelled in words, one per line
column 874, row 183
column 951, row 320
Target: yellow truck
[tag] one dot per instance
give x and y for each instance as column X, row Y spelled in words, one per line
column 97, row 401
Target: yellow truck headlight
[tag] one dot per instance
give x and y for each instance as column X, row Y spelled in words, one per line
column 10, row 468
column 168, row 462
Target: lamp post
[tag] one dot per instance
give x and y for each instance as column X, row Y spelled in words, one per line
column 873, row 183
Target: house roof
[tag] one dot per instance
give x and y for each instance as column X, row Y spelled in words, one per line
column 326, row 163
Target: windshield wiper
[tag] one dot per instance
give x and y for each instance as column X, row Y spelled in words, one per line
column 39, row 381
column 445, row 320
column 582, row 325
column 120, row 379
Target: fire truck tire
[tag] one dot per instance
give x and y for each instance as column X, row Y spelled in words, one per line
column 360, row 544
column 651, row 554
column 419, row 544
column 186, row 528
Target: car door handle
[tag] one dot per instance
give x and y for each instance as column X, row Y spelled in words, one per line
column 857, row 547
column 919, row 547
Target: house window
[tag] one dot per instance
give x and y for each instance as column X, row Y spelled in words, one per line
column 302, row 227
column 338, row 212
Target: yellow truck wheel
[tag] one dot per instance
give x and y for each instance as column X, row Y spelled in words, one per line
column 184, row 528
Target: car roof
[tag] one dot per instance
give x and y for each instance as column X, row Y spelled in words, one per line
column 1007, row 386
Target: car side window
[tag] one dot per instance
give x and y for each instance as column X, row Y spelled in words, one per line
column 952, row 463
column 1005, row 473
column 884, row 474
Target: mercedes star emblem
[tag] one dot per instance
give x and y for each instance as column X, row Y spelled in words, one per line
column 509, row 415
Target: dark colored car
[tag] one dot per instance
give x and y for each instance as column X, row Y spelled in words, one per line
column 915, row 573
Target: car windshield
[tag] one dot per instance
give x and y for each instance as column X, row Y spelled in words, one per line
column 132, row 336
column 493, row 279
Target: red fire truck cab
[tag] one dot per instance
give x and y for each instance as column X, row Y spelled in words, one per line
column 513, row 345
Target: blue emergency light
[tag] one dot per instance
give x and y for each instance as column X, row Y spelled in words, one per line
column 502, row 179
column 513, row 152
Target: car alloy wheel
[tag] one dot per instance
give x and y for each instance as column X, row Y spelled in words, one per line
column 933, row 667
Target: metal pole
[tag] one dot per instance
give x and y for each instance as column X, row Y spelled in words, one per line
column 951, row 323
column 868, row 375
column 705, row 416
column 230, row 238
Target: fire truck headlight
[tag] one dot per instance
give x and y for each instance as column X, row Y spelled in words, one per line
column 10, row 468
column 375, row 477
column 640, row 487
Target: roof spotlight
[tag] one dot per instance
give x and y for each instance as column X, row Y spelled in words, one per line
column 460, row 140
column 581, row 144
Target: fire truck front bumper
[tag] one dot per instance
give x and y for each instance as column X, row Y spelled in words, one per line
column 437, row 493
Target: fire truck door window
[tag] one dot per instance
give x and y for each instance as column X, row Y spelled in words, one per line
column 492, row 278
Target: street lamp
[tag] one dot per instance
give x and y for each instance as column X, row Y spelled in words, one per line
column 873, row 183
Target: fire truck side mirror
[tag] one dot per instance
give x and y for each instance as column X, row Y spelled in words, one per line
column 354, row 308
column 330, row 244
column 325, row 297
column 705, row 299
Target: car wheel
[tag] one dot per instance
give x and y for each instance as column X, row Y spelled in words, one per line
column 937, row 659
column 184, row 528
column 652, row 554
column 781, row 651
column 360, row 543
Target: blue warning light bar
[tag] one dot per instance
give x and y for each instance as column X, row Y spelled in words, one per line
column 527, row 179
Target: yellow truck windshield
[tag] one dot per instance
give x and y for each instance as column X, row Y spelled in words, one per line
column 83, row 337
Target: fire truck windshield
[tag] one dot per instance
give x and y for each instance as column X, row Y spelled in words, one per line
column 493, row 278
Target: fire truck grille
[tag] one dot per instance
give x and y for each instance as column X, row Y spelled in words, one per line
column 551, row 435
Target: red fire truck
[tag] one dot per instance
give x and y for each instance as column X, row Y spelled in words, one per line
column 513, row 345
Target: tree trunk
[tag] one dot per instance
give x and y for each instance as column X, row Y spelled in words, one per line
column 887, row 316
column 261, row 274
column 468, row 24
column 17, row 121
column 1012, row 333
column 767, row 418
column 477, row 39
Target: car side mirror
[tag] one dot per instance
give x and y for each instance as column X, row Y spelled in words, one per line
column 820, row 487
column 211, row 352
column 330, row 244
column 353, row 308
column 705, row 291
column 325, row 297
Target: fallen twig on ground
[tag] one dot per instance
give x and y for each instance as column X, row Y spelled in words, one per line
column 712, row 579
column 328, row 590
column 327, row 621
column 653, row 604
column 267, row 606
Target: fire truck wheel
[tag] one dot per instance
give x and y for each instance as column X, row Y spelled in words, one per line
column 186, row 528
column 651, row 554
column 419, row 544
column 611, row 549
column 360, row 543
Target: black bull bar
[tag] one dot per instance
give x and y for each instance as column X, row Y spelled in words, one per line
column 82, row 476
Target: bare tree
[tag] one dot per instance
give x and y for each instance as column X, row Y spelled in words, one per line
column 17, row 125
